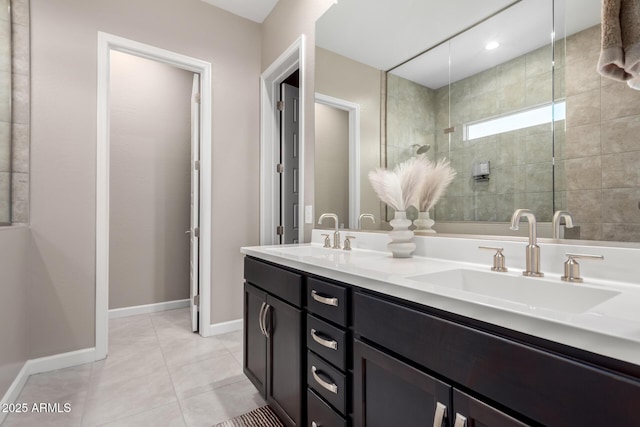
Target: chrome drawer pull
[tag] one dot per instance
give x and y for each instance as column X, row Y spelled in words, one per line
column 326, row 343
column 440, row 415
column 324, row 300
column 460, row 421
column 331, row 387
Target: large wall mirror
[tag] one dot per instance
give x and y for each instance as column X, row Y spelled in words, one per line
column 554, row 134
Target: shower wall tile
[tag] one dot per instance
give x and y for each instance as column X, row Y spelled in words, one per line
column 584, row 173
column 621, row 170
column 618, row 100
column 584, row 45
column 581, row 76
column 585, row 205
column 621, row 135
column 621, row 232
column 621, row 205
column 583, row 141
column 538, row 62
column 583, row 108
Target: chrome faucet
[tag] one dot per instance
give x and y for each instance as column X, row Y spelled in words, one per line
column 363, row 216
column 568, row 221
column 336, row 233
column 533, row 250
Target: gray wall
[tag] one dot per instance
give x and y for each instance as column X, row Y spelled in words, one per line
column 286, row 22
column 150, row 142
column 64, row 63
column 353, row 81
column 332, row 163
column 14, row 314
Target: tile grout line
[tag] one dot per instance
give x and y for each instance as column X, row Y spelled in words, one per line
column 142, row 411
column 173, row 386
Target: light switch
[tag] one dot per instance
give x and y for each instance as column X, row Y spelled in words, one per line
column 308, row 214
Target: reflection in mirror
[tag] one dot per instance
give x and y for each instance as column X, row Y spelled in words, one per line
column 357, row 86
column 471, row 95
column 332, row 154
column 5, row 113
column 597, row 173
column 585, row 163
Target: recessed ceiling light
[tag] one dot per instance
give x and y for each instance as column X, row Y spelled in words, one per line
column 492, row 45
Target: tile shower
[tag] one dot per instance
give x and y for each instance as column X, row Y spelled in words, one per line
column 596, row 155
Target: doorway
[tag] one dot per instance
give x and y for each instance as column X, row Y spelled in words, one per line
column 270, row 86
column 200, row 240
column 153, row 254
column 289, row 165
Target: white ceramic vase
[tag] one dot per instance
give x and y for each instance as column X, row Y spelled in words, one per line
column 401, row 245
column 424, row 222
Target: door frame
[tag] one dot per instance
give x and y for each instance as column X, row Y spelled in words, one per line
column 354, row 151
column 290, row 60
column 106, row 43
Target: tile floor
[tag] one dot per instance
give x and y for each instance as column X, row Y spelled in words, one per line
column 158, row 373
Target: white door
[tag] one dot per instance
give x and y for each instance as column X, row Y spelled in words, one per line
column 195, row 205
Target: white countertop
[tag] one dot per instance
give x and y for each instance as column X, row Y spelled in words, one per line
column 610, row 328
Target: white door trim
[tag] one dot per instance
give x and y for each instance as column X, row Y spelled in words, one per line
column 354, row 152
column 276, row 73
column 106, row 43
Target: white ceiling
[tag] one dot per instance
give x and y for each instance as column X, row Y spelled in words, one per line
column 393, row 31
column 255, row 10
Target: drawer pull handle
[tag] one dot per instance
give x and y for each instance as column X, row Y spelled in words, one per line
column 460, row 421
column 333, row 388
column 325, row 343
column 315, row 424
column 324, row 300
column 440, row 415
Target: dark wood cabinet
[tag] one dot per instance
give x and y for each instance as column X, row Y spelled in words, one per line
column 255, row 341
column 324, row 353
column 273, row 338
column 284, row 360
column 388, row 392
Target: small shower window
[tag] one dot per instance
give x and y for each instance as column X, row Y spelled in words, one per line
column 514, row 121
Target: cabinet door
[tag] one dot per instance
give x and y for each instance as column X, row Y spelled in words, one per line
column 285, row 350
column 470, row 412
column 255, row 342
column 388, row 392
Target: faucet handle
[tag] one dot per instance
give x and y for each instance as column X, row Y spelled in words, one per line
column 572, row 268
column 498, row 258
column 347, row 242
column 327, row 241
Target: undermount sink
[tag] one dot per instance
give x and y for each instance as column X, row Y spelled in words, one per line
column 530, row 292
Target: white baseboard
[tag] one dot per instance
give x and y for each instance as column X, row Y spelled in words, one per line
column 45, row 364
column 14, row 389
column 147, row 308
column 224, row 327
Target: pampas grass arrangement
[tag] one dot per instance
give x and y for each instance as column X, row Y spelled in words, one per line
column 399, row 188
column 436, row 180
column 416, row 182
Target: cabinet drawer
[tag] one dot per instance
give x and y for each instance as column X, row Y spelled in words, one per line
column 327, row 300
column 327, row 341
column 327, row 381
column 282, row 283
column 321, row 414
column 543, row 386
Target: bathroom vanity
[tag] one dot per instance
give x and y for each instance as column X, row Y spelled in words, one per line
column 337, row 338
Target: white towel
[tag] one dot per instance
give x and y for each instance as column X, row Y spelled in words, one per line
column 620, row 54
